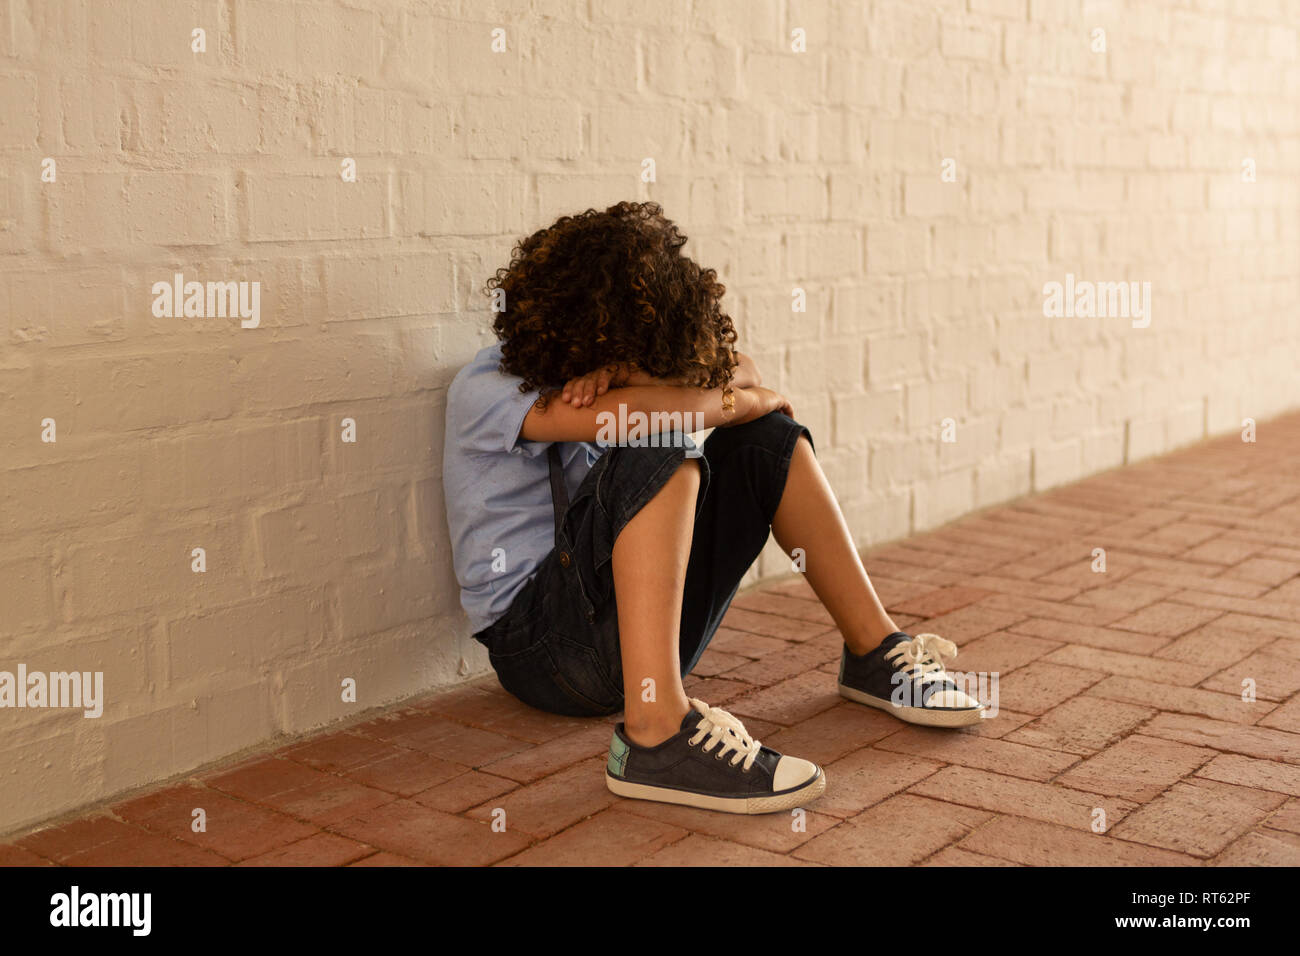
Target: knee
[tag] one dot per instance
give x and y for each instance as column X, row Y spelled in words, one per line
column 685, row 477
column 635, row 473
column 771, row 433
column 645, row 459
column 687, row 474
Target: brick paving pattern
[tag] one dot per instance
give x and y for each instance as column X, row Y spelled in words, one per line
column 1120, row 692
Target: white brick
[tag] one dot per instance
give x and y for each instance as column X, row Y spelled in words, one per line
column 819, row 170
column 1056, row 464
column 941, row 499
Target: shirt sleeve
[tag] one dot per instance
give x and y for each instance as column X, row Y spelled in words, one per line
column 490, row 410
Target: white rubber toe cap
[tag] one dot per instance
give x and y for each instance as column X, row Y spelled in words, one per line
column 953, row 699
column 792, row 772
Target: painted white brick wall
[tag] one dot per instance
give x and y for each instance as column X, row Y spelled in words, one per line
column 818, row 170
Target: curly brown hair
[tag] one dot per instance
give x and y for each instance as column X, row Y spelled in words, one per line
column 601, row 288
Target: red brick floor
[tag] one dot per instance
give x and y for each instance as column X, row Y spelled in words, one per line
column 1119, row 693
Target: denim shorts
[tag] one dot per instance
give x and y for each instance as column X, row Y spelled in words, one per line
column 557, row 645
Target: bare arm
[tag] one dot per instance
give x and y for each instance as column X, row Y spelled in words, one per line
column 585, row 390
column 561, row 421
column 746, row 376
column 747, row 373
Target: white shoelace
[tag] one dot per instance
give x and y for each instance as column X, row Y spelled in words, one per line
column 723, row 729
column 922, row 657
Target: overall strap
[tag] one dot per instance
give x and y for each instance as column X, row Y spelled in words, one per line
column 559, row 494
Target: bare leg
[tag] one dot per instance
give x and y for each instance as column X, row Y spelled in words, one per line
column 649, row 563
column 809, row 517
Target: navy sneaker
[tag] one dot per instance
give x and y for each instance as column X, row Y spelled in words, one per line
column 714, row 764
column 905, row 677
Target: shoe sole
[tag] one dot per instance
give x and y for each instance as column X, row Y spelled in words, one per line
column 926, row 716
column 771, row 803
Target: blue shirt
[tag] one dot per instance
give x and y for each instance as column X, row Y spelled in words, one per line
column 497, row 487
